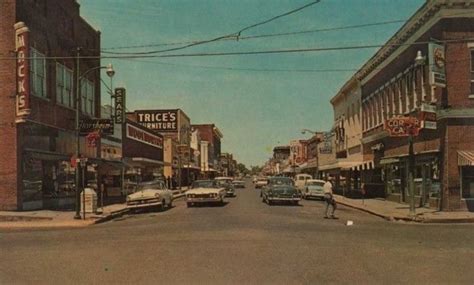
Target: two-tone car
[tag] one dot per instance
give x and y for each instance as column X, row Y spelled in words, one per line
column 280, row 190
column 313, row 189
column 205, row 191
column 226, row 182
column 150, row 194
column 261, row 182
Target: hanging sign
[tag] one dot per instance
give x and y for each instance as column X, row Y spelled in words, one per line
column 437, row 65
column 119, row 97
column 403, row 126
column 22, row 72
column 103, row 126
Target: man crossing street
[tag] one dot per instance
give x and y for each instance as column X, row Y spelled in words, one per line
column 329, row 198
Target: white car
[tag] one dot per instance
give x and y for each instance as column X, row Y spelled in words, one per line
column 238, row 183
column 205, row 191
column 313, row 189
column 151, row 194
column 261, row 182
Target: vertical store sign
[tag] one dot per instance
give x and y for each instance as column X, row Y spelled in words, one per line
column 22, row 71
column 119, row 105
column 437, row 62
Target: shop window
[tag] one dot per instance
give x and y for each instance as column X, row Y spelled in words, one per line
column 467, row 174
column 472, row 72
column 87, row 97
column 37, row 73
column 64, row 95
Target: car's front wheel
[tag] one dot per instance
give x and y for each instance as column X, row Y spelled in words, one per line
column 170, row 204
column 189, row 204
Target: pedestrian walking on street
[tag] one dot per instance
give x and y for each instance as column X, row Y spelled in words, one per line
column 330, row 201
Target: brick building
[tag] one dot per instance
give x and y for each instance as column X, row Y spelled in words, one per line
column 37, row 110
column 210, row 148
column 440, row 36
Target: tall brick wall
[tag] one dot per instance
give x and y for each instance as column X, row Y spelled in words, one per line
column 8, row 131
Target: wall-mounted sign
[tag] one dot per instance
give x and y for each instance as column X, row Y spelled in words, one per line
column 142, row 136
column 437, row 65
column 119, row 114
column 159, row 120
column 325, row 148
column 428, row 117
column 403, row 126
column 23, row 72
column 104, row 126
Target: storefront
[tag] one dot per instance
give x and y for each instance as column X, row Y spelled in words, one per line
column 143, row 155
column 426, row 176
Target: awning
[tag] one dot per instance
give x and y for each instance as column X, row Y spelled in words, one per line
column 389, row 161
column 142, row 162
column 466, row 158
column 343, row 165
column 191, row 167
column 46, row 155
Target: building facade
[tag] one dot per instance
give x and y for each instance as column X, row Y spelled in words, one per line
column 37, row 113
column 211, row 138
column 420, row 85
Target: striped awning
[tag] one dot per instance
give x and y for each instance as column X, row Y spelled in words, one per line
column 466, row 158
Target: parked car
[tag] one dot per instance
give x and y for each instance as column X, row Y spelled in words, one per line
column 151, row 194
column 261, row 181
column 274, row 193
column 204, row 191
column 300, row 180
column 226, row 182
column 238, row 183
column 314, row 189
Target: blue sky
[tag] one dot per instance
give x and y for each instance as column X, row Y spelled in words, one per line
column 255, row 110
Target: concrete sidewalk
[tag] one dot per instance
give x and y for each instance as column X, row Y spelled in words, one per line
column 393, row 211
column 64, row 219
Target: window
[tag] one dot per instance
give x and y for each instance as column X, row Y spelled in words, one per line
column 37, row 73
column 472, row 71
column 87, row 97
column 64, row 94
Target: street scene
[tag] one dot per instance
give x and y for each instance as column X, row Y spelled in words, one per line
column 237, row 142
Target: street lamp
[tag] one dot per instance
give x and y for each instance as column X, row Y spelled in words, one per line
column 110, row 72
column 419, row 61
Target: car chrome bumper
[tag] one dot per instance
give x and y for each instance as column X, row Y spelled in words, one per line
column 284, row 199
column 143, row 205
column 203, row 200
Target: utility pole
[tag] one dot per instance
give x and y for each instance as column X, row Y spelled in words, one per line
column 77, row 154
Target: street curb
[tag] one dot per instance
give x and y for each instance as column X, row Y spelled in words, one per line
column 388, row 218
column 19, row 218
column 418, row 219
column 111, row 216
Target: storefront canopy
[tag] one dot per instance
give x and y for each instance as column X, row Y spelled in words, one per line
column 466, row 158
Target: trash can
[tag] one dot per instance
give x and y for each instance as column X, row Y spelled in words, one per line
column 89, row 201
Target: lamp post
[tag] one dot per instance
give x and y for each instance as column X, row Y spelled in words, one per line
column 110, row 72
column 419, row 62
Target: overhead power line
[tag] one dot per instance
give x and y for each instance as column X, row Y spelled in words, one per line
column 278, row 51
column 104, row 50
column 235, row 35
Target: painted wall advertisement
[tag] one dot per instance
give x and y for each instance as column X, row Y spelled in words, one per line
column 159, row 120
column 142, row 136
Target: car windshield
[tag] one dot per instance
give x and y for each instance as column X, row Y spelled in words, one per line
column 280, row 181
column 156, row 185
column 204, row 184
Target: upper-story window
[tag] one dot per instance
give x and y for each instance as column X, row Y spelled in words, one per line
column 472, row 71
column 87, row 96
column 37, row 73
column 64, row 94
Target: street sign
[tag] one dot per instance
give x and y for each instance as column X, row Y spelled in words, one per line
column 104, row 126
column 403, row 126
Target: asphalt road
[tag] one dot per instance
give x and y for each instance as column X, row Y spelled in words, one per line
column 243, row 242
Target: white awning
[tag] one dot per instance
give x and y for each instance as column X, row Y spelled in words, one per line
column 466, row 158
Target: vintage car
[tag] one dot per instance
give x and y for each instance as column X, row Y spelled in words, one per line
column 300, row 180
column 151, row 194
column 280, row 189
column 204, row 191
column 226, row 182
column 261, row 181
column 238, row 183
column 313, row 189
column 278, row 180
